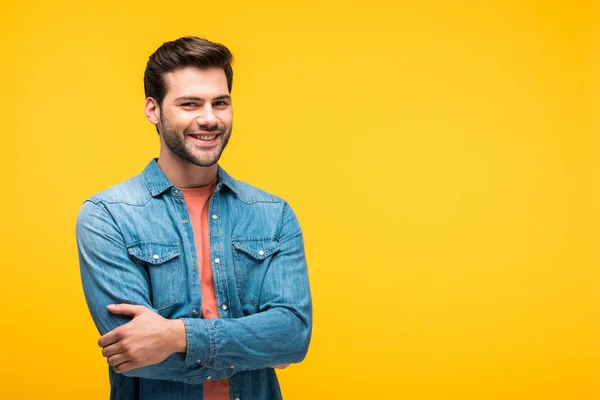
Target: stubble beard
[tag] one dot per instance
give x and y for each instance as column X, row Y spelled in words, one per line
column 177, row 144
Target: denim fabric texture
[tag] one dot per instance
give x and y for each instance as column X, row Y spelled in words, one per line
column 136, row 246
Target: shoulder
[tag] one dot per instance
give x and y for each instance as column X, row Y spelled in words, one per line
column 247, row 193
column 132, row 192
column 262, row 211
column 251, row 194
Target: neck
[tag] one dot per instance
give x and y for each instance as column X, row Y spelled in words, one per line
column 184, row 174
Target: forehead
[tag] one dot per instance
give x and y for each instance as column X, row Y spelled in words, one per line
column 193, row 81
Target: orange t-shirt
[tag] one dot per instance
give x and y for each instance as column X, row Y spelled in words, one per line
column 196, row 200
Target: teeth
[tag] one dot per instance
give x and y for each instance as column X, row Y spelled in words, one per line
column 204, row 137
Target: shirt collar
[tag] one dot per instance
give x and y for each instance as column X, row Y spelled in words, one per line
column 225, row 179
column 157, row 182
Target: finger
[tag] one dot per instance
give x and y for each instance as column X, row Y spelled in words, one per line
column 109, row 338
column 126, row 309
column 117, row 359
column 112, row 349
column 124, row 367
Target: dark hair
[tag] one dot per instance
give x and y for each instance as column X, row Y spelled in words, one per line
column 188, row 51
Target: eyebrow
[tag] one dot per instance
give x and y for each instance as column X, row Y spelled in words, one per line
column 194, row 98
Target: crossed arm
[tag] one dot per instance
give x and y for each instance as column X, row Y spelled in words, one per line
column 139, row 342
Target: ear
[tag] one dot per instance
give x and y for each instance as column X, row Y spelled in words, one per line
column 152, row 111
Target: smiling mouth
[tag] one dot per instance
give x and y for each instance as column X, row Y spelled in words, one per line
column 204, row 137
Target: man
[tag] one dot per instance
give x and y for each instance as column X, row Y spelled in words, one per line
column 196, row 281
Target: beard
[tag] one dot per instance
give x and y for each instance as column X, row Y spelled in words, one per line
column 202, row 157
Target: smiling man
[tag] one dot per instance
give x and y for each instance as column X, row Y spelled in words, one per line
column 196, row 281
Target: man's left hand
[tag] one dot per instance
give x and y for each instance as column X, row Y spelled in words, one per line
column 145, row 340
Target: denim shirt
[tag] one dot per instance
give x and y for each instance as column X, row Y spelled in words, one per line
column 136, row 246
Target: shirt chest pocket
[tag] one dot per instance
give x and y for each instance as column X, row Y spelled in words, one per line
column 162, row 261
column 251, row 259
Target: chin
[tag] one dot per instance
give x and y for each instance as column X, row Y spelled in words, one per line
column 206, row 162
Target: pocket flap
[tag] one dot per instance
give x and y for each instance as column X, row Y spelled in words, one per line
column 154, row 252
column 258, row 249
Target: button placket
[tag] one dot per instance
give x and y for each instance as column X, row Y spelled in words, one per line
column 215, row 239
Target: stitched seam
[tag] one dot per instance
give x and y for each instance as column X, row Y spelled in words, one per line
column 123, row 202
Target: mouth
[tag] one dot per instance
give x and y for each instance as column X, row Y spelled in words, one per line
column 204, row 139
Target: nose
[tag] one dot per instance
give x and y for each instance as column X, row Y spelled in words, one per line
column 207, row 117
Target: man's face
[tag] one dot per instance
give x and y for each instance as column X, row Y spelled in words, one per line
column 196, row 115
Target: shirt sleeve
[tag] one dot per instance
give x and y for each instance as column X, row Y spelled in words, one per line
column 280, row 332
column 109, row 276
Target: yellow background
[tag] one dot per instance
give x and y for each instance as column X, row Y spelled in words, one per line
column 441, row 157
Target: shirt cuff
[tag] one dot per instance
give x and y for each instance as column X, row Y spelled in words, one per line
column 201, row 344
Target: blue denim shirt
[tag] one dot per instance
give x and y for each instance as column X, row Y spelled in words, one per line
column 136, row 246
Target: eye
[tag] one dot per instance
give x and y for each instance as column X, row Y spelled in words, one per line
column 220, row 104
column 189, row 105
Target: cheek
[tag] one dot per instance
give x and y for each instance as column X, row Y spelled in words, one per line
column 178, row 123
column 227, row 118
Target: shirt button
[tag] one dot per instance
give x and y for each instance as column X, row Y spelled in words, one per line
column 175, row 191
column 237, row 398
column 155, row 256
column 199, row 361
column 214, row 216
column 208, row 378
column 193, row 265
column 224, row 307
column 232, row 366
column 185, row 221
column 194, row 311
column 261, row 253
column 217, row 260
